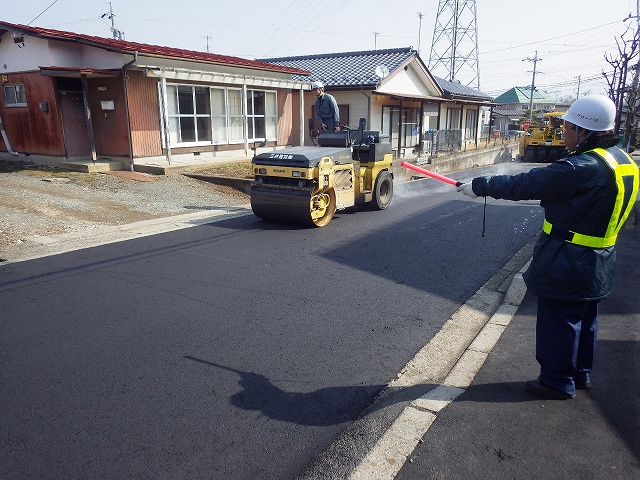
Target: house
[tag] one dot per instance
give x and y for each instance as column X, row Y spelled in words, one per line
column 395, row 92
column 513, row 105
column 69, row 96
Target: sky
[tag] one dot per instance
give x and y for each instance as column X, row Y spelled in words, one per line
column 570, row 38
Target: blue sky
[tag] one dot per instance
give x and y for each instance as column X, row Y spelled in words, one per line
column 570, row 36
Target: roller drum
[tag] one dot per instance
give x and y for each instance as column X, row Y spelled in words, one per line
column 297, row 206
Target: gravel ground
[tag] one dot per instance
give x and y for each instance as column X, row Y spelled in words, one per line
column 38, row 202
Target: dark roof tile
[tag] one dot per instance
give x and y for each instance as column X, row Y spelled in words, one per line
column 346, row 69
column 457, row 89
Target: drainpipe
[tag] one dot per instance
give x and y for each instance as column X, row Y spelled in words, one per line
column 246, row 118
column 126, row 106
column 368, row 108
column 6, row 140
column 302, row 122
column 477, row 125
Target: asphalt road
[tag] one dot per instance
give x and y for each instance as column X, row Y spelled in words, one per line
column 239, row 349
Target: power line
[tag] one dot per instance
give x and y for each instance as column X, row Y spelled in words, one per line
column 55, row 1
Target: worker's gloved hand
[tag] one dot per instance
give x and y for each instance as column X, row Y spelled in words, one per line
column 466, row 188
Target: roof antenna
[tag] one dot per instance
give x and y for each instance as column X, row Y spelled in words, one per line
column 56, row 1
column 117, row 34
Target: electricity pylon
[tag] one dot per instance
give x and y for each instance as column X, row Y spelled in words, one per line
column 454, row 49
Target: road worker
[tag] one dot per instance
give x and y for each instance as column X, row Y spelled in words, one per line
column 586, row 197
column 326, row 108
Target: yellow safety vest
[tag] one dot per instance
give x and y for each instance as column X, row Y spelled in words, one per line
column 626, row 172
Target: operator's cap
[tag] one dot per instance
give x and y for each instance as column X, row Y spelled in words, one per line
column 593, row 112
column 317, row 84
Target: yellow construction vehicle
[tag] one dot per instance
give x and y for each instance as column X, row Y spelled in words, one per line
column 544, row 143
column 306, row 185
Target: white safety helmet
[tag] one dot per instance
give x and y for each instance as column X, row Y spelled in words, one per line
column 593, row 112
column 316, row 84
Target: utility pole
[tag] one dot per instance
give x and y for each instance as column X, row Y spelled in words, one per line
column 578, row 94
column 420, row 30
column 208, row 38
column 375, row 40
column 535, row 61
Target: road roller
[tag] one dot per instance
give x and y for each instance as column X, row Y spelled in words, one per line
column 306, row 185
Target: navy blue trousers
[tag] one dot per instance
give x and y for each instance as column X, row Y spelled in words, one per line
column 565, row 342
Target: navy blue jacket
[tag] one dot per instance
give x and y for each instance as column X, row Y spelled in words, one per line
column 327, row 111
column 578, row 193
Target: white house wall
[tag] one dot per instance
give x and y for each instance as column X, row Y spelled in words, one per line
column 38, row 52
column 407, row 82
column 33, row 54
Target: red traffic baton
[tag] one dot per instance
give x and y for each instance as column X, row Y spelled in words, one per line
column 437, row 176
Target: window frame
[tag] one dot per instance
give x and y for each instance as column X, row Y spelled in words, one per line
column 228, row 122
column 269, row 120
column 470, row 123
column 18, row 96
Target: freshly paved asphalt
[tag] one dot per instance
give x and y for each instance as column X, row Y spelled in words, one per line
column 237, row 349
column 493, row 430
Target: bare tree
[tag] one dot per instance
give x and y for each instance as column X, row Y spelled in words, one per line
column 624, row 95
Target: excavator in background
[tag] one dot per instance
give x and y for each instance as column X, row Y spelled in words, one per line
column 544, row 143
column 306, row 185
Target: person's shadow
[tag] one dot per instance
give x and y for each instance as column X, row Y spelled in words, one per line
column 326, row 406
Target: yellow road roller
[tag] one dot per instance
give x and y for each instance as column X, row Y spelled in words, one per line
column 306, row 185
column 544, row 143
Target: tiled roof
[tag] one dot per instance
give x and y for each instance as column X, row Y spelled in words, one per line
column 459, row 90
column 523, row 95
column 145, row 49
column 346, row 69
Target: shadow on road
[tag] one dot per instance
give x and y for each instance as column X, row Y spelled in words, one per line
column 323, row 407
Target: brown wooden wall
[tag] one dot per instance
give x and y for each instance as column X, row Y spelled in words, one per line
column 144, row 115
column 285, row 118
column 29, row 129
column 109, row 126
column 32, row 131
column 295, row 118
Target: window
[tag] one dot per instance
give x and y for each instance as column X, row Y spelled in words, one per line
column 470, row 124
column 234, row 109
column 410, row 128
column 189, row 114
column 216, row 115
column 262, row 115
column 453, row 119
column 14, row 95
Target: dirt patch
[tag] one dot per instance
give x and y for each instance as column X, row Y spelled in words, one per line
column 233, row 169
column 39, row 201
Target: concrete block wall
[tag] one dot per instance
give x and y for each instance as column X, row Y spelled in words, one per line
column 460, row 161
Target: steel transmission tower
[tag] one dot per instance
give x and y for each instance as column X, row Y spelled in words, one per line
column 454, row 49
